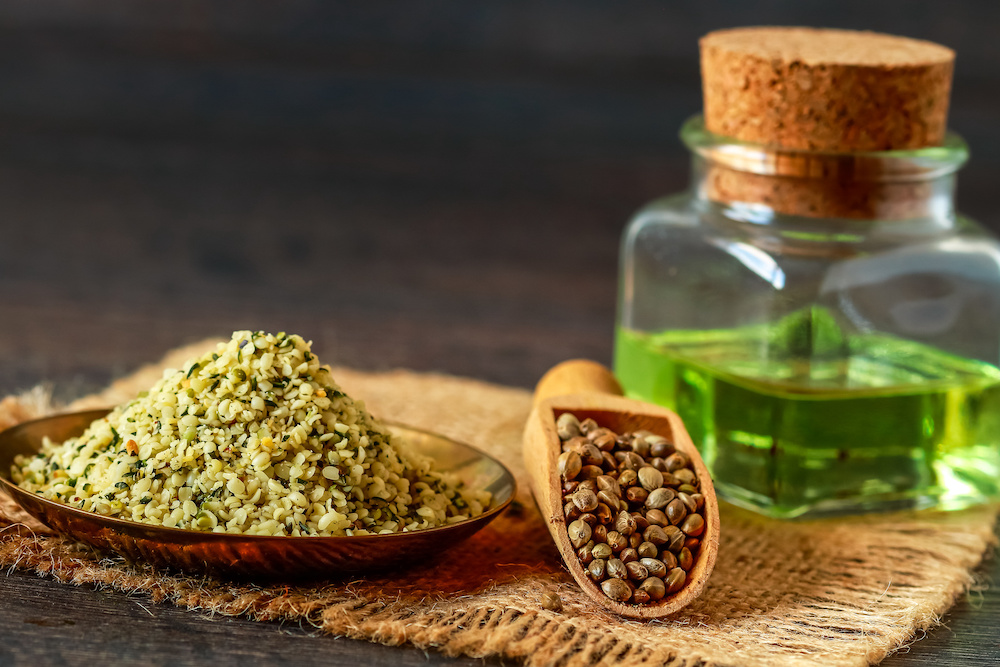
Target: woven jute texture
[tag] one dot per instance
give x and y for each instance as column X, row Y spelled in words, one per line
column 842, row 592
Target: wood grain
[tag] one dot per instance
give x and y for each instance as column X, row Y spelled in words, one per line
column 442, row 190
column 44, row 623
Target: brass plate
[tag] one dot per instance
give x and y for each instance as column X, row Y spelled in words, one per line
column 252, row 556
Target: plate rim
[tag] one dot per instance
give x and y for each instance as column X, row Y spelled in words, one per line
column 186, row 535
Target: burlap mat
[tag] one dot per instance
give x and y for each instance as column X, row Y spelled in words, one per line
column 843, row 592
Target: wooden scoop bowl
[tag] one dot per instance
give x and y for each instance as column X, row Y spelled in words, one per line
column 588, row 389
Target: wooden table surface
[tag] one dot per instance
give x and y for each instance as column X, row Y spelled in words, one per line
column 442, row 190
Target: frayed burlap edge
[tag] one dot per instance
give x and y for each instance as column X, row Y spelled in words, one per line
column 843, row 592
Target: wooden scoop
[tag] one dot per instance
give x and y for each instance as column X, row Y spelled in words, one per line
column 588, row 389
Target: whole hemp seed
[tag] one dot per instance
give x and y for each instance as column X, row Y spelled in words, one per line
column 552, row 601
column 634, row 511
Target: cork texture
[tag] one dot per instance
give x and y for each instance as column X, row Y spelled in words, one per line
column 813, row 197
column 825, row 90
column 823, row 593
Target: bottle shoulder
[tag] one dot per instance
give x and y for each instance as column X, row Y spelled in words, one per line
column 684, row 218
column 676, row 209
column 676, row 233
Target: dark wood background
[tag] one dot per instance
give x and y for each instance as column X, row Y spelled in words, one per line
column 435, row 185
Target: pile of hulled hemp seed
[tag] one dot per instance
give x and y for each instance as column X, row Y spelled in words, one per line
column 633, row 509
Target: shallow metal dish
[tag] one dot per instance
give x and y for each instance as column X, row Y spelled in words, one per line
column 253, row 556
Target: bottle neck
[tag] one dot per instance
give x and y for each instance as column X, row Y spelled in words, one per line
column 754, row 180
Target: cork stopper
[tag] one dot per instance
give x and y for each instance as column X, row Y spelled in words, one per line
column 822, row 104
column 825, row 90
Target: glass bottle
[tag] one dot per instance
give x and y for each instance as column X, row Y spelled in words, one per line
column 825, row 323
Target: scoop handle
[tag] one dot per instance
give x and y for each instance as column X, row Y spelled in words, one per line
column 577, row 376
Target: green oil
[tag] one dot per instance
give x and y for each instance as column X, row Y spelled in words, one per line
column 797, row 417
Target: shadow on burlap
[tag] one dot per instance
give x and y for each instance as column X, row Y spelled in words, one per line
column 834, row 592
